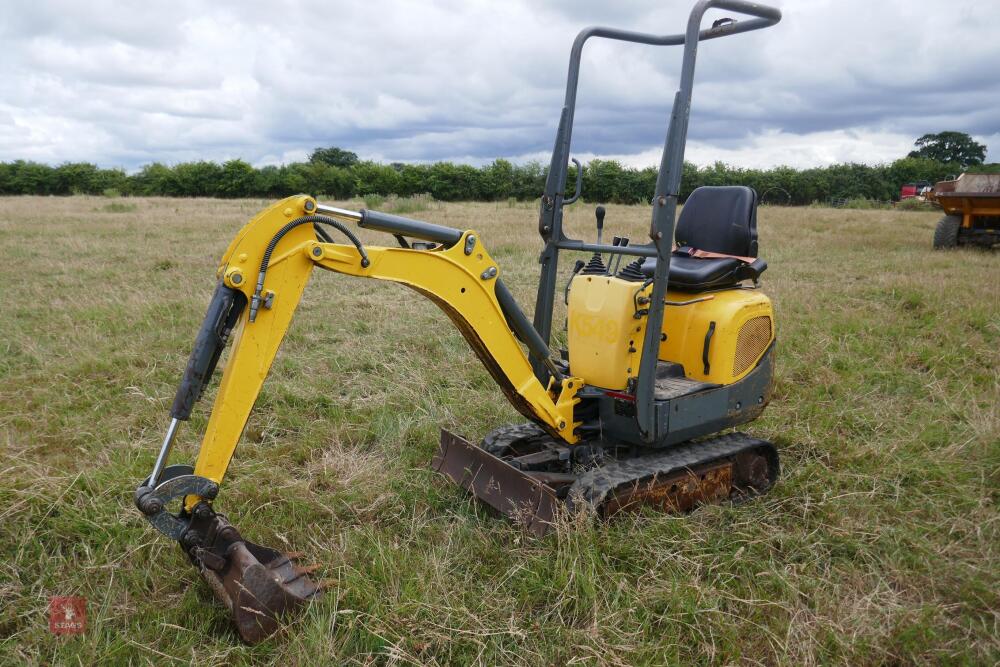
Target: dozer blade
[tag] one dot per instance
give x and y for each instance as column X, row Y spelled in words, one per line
column 503, row 487
column 262, row 587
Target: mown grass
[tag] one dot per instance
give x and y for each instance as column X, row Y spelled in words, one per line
column 879, row 545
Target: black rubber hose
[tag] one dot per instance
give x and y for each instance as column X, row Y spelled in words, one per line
column 316, row 220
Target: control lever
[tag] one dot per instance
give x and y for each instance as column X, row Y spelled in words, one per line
column 618, row 259
column 600, row 222
column 576, row 269
column 614, row 241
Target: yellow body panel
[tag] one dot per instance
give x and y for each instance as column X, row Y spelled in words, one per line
column 605, row 337
column 450, row 277
column 734, row 311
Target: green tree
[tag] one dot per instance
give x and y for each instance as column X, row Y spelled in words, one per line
column 454, row 182
column 154, row 179
column 912, row 169
column 6, row 178
column 336, row 182
column 955, row 147
column 497, row 180
column 238, row 179
column 75, row 178
column 529, row 180
column 294, row 180
column 32, row 178
column 689, row 179
column 371, row 178
column 335, row 157
column 196, row 179
column 602, row 181
column 111, row 179
column 413, row 179
column 268, row 182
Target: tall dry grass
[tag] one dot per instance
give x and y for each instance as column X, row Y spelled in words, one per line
column 879, row 545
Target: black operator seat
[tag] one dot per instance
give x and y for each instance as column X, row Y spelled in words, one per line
column 720, row 220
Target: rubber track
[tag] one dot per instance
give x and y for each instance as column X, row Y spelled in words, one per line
column 593, row 486
column 496, row 442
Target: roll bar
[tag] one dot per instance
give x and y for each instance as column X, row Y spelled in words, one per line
column 667, row 181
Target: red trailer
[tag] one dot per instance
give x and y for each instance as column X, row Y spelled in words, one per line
column 917, row 189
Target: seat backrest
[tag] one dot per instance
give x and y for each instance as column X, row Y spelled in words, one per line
column 720, row 219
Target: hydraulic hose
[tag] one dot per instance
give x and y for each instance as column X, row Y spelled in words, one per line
column 316, row 221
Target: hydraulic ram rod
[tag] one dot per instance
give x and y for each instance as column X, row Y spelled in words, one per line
column 395, row 224
column 161, row 459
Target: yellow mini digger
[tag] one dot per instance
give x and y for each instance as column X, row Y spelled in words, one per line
column 663, row 353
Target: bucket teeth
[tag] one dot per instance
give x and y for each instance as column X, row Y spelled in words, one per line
column 261, row 587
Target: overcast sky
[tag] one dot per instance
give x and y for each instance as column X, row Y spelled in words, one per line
column 127, row 83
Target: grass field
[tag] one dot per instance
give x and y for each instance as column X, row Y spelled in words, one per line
column 879, row 545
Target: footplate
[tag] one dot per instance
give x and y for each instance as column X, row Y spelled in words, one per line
column 511, row 492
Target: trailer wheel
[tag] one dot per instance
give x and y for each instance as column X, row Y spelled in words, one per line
column 946, row 233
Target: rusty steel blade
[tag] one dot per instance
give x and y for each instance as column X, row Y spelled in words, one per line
column 495, row 482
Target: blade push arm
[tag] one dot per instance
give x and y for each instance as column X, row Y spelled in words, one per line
column 461, row 279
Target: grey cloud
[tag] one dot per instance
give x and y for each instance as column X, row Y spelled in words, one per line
column 123, row 83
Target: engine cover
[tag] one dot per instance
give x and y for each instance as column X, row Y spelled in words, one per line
column 719, row 339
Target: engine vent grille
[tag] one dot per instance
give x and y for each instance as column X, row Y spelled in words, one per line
column 751, row 343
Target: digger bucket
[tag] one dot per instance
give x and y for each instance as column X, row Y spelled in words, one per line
column 510, row 491
column 260, row 586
